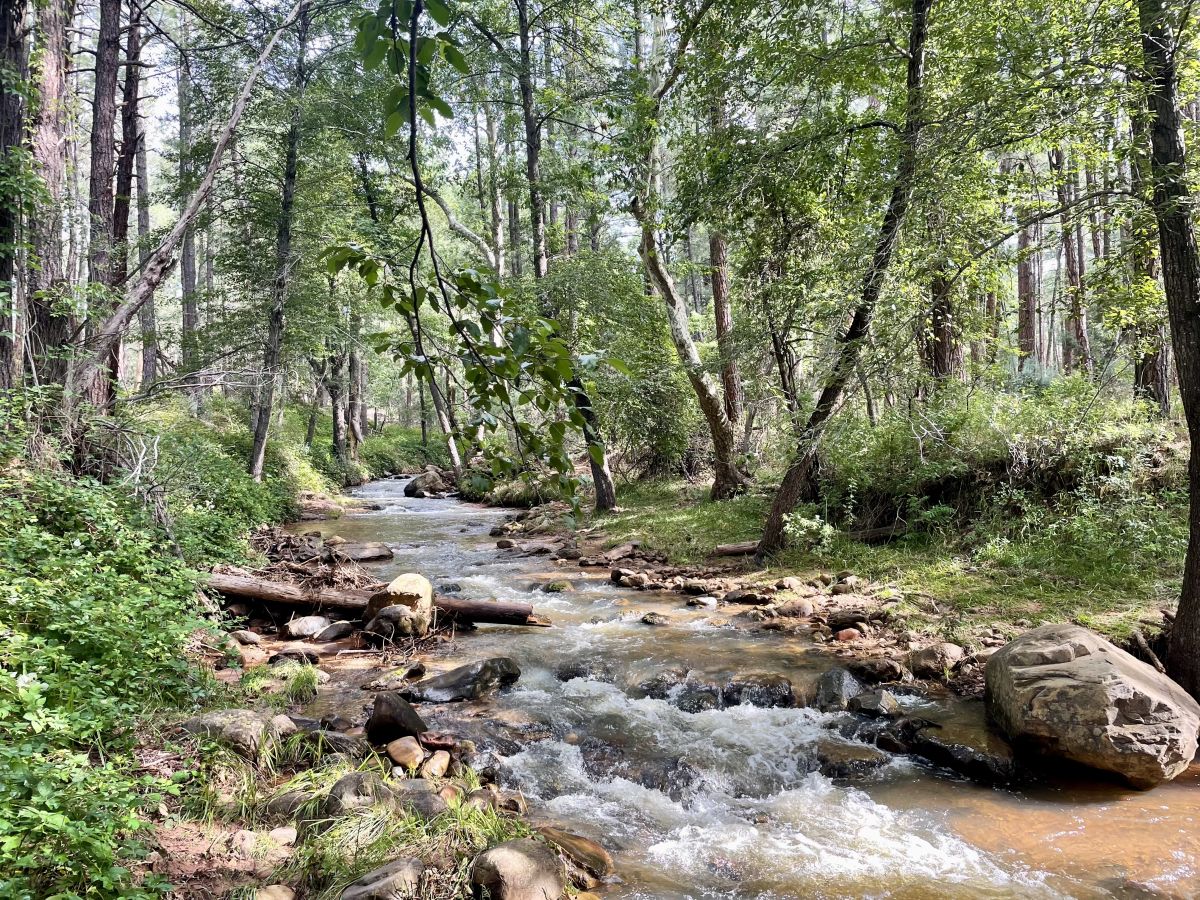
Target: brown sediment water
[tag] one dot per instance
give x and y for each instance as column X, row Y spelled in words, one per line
column 727, row 802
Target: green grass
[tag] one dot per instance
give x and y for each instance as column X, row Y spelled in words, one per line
column 679, row 519
column 1107, row 563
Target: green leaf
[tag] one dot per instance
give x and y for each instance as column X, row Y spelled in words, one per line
column 438, row 11
column 455, row 57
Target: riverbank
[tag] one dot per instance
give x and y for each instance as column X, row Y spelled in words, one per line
column 1116, row 573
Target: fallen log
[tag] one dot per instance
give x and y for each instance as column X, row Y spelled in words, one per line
column 491, row 612
column 744, row 548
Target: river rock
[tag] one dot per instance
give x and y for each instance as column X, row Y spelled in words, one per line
column 428, row 482
column 274, row 892
column 409, row 591
column 660, row 685
column 392, row 717
column 398, row 879
column 365, row 551
column 334, row 632
column 759, row 690
column 592, row 669
column 589, row 859
column 654, row 618
column 698, row 696
column 835, row 689
column 874, row 669
column 1065, row 691
column 875, row 704
column 936, row 660
column 839, row 759
column 405, row 752
column 420, row 797
column 468, row 682
column 301, row 655
column 356, row 791
column 305, row 627
column 991, row 764
column 246, row 638
column 704, row 601
column 801, row 608
column 245, row 731
column 436, row 766
column 523, row 869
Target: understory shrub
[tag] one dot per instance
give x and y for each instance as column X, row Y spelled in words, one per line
column 95, row 613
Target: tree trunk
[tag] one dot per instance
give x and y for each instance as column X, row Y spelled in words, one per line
column 1077, row 351
column 1181, row 282
column 940, row 344
column 126, row 160
column 800, row 479
column 100, row 182
column 12, row 115
column 189, row 335
column 354, row 404
column 146, row 316
column 273, row 352
column 493, row 188
column 533, row 143
column 49, row 328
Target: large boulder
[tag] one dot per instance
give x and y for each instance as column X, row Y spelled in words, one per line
column 523, row 869
column 410, row 599
column 1065, row 691
column 428, row 482
column 759, row 690
column 392, row 718
column 469, row 682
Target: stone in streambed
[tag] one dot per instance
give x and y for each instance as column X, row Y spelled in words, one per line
column 356, row 791
column 405, row 752
column 875, row 704
column 698, row 696
column 334, row 632
column 834, row 690
column 839, row 759
column 468, row 682
column 246, row 731
column 246, row 638
column 428, row 482
column 1064, row 691
column 392, row 717
column 653, row 618
column 759, row 690
column 436, row 766
column 409, row 591
column 523, row 869
column 936, row 660
column 592, row 860
column 398, row 879
column 363, row 552
column 304, row 627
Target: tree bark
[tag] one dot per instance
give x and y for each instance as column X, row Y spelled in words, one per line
column 146, row 316
column 273, row 351
column 189, row 335
column 800, row 479
column 100, row 182
column 127, row 158
column 493, row 188
column 12, row 164
column 1172, row 202
column 1077, row 350
column 50, row 328
column 1151, row 377
column 940, row 342
column 533, row 143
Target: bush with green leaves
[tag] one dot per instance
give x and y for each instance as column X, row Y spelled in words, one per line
column 95, row 614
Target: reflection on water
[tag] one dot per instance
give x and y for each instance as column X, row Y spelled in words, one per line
column 726, row 803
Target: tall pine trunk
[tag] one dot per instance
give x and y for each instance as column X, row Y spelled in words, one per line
column 273, row 351
column 1180, row 259
column 12, row 164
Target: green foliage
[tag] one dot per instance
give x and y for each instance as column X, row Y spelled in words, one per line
column 397, row 450
column 213, row 502
column 95, row 614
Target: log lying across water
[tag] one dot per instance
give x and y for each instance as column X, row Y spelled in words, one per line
column 492, row 612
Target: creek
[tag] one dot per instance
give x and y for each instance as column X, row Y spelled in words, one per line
column 727, row 802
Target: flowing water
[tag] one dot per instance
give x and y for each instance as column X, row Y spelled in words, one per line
column 726, row 803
